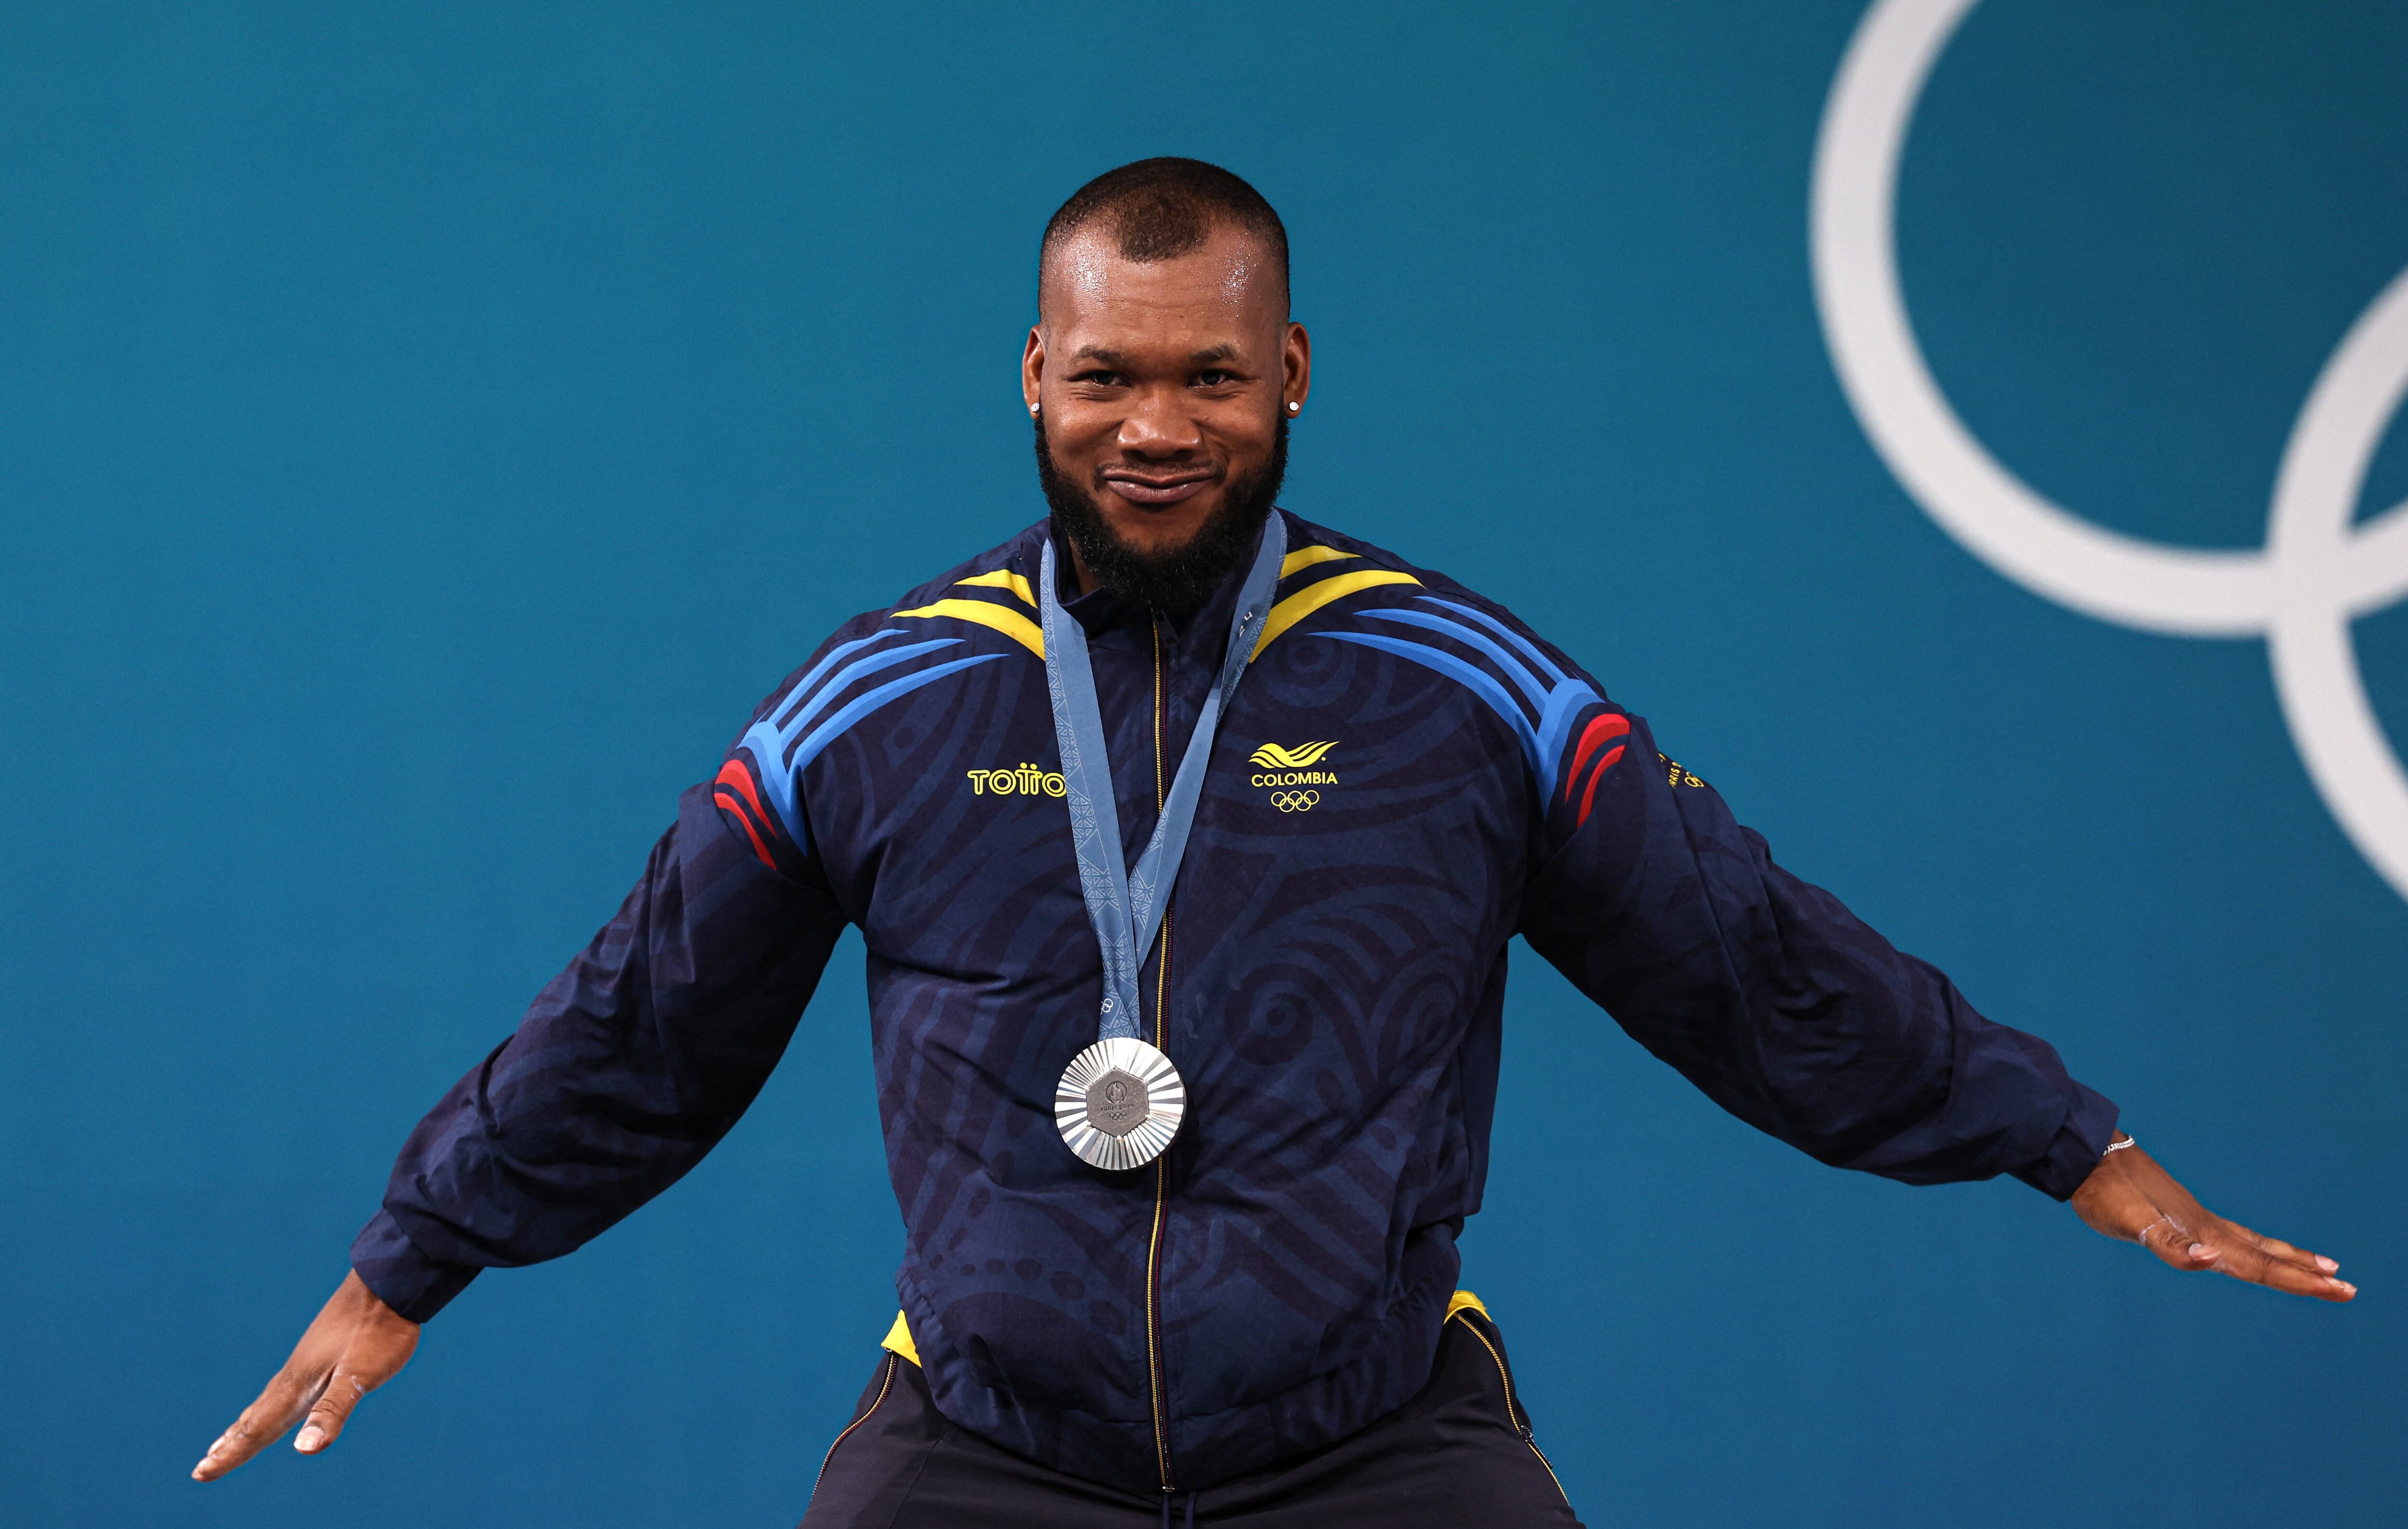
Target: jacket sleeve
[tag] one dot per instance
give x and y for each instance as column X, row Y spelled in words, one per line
column 627, row 1069
column 1768, row 994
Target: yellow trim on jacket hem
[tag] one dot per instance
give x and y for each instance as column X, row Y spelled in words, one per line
column 898, row 1341
column 898, row 1337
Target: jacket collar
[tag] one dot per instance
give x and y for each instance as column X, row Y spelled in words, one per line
column 1113, row 620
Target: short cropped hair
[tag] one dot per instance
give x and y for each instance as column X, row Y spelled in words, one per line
column 1160, row 208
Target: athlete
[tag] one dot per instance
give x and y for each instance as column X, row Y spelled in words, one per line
column 1187, row 838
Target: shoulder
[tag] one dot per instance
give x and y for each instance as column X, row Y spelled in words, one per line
column 1339, row 589
column 1325, row 570
column 982, row 608
column 984, row 600
column 980, row 612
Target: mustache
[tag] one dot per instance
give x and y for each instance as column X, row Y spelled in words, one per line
column 1210, row 472
column 1177, row 578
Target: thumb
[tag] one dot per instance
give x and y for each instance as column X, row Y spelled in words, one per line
column 2176, row 1243
column 333, row 1409
column 379, row 1346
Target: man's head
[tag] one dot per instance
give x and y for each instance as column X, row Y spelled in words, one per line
column 1161, row 375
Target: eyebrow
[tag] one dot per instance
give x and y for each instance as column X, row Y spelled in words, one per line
column 1206, row 356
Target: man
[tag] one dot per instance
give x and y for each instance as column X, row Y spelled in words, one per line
column 1249, row 1310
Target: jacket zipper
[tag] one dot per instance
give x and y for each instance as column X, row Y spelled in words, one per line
column 1161, row 1165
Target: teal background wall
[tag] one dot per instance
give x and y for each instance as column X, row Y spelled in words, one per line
column 425, row 431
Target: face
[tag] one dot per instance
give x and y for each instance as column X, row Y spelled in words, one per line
column 1161, row 391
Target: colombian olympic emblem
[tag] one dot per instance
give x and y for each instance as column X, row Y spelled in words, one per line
column 2317, row 570
column 1294, row 801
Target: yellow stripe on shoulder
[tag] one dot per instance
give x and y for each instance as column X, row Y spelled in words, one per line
column 1002, row 578
column 1003, row 618
column 1304, row 557
column 1313, row 596
column 1464, row 1301
column 898, row 1337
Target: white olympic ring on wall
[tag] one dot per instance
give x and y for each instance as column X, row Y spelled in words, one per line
column 1294, row 801
column 2317, row 570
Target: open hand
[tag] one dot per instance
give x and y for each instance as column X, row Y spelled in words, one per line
column 357, row 1344
column 2128, row 1197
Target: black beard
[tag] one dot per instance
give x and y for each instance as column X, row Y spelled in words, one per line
column 1185, row 576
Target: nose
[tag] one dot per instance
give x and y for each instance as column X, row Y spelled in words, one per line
column 1159, row 425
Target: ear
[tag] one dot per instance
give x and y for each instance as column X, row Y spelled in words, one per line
column 1032, row 367
column 1295, row 368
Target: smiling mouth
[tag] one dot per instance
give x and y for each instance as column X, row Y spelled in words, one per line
column 1169, row 489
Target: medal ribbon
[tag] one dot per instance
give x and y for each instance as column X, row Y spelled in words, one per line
column 1126, row 906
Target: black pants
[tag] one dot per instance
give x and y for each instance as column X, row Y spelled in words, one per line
column 1457, row 1454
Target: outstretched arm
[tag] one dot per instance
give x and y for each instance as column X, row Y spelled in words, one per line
column 629, row 1068
column 1792, row 1013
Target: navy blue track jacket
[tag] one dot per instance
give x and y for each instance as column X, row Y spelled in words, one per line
column 1406, row 779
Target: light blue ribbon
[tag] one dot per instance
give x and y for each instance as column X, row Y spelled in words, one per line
column 1126, row 906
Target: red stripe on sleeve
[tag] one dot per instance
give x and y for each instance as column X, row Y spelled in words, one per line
column 1588, row 797
column 1607, row 725
column 734, row 773
column 724, row 798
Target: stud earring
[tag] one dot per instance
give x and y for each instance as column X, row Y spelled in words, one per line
column 1295, row 408
column 1032, row 409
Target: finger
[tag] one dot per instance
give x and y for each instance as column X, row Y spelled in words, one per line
column 261, row 1423
column 332, row 1410
column 2244, row 1260
column 2299, row 1256
column 2223, row 1234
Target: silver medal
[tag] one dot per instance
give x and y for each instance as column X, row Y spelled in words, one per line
column 1119, row 1103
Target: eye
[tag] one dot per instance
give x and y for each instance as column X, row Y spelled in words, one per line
column 1214, row 377
column 1099, row 377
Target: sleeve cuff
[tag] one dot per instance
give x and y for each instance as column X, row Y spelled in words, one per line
column 389, row 1264
column 2080, row 1142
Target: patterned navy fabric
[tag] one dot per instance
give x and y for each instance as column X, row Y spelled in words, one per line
column 1406, row 779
